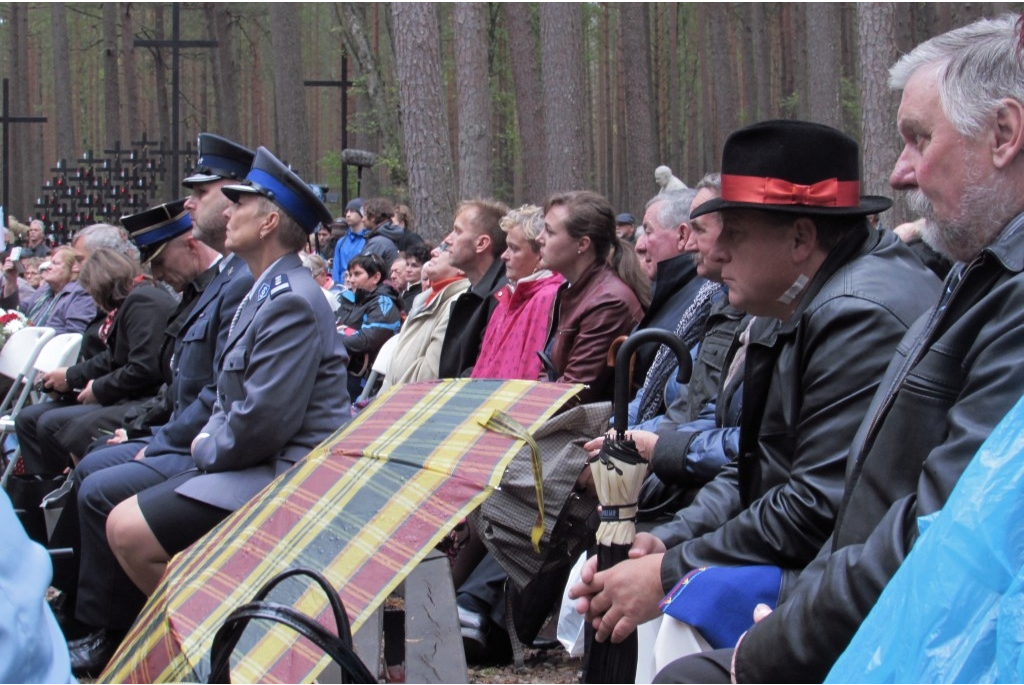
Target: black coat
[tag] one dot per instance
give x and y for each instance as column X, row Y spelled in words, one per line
column 469, row 316
column 807, row 385
column 129, row 367
column 676, row 285
column 955, row 375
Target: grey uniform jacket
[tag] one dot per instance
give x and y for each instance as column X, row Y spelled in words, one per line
column 955, row 375
column 807, row 384
column 197, row 357
column 280, row 391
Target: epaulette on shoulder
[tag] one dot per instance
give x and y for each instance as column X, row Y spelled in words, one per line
column 279, row 285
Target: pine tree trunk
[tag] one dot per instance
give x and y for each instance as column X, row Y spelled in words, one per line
column 760, row 62
column 64, row 98
column 225, row 70
column 823, row 73
column 561, row 45
column 111, row 80
column 132, row 125
column 163, row 102
column 634, row 29
column 291, row 123
column 722, row 76
column 380, row 118
column 425, row 125
column 474, row 110
column 879, row 142
column 21, row 184
column 524, row 51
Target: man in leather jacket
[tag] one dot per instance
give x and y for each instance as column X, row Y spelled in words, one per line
column 954, row 375
column 797, row 250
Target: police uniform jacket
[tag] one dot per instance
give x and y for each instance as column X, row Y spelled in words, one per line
column 280, row 390
column 197, row 355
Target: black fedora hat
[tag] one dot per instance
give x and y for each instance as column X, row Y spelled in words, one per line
column 153, row 228
column 219, row 158
column 796, row 167
column 273, row 180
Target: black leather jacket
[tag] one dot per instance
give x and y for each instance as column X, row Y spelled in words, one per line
column 955, row 375
column 470, row 313
column 807, row 385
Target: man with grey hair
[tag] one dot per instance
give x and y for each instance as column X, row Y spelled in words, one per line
column 955, row 374
column 35, row 242
column 680, row 299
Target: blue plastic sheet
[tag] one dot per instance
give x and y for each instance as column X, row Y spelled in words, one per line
column 954, row 611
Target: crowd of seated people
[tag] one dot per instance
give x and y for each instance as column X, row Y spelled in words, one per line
column 839, row 390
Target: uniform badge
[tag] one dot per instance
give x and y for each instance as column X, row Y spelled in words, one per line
column 263, row 292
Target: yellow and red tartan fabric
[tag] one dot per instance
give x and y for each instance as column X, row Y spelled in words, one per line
column 363, row 508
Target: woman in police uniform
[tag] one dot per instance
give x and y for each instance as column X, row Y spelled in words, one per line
column 281, row 388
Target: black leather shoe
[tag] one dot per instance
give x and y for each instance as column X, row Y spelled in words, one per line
column 90, row 654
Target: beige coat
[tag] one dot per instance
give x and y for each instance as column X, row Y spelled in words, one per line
column 418, row 355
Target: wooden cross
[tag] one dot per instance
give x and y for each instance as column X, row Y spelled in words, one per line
column 344, row 84
column 175, row 43
column 7, row 120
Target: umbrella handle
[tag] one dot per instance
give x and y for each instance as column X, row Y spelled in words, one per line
column 648, row 335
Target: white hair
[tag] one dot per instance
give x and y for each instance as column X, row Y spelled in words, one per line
column 674, row 207
column 976, row 66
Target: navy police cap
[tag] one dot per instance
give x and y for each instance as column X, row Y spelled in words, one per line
column 219, row 158
column 153, row 228
column 273, row 180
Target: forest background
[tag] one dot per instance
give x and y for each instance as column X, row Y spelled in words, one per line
column 510, row 100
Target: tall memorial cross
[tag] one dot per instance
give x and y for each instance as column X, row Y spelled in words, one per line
column 176, row 44
column 7, row 120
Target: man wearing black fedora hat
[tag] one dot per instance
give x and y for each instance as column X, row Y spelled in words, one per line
column 833, row 298
column 955, row 375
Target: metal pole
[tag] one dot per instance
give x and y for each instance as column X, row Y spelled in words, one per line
column 7, row 149
column 344, row 130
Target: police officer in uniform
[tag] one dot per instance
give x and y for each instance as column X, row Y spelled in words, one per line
column 279, row 390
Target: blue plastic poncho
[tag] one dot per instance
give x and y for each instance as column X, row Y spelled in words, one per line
column 954, row 611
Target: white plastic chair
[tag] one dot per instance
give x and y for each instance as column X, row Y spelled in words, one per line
column 17, row 362
column 62, row 350
column 55, row 352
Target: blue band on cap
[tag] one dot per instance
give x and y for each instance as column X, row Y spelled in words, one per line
column 289, row 200
column 163, row 232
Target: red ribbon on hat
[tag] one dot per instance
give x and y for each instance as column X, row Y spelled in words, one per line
column 776, row 191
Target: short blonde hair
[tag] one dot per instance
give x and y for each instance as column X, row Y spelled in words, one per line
column 530, row 218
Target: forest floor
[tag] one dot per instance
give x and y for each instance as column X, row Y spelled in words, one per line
column 551, row 665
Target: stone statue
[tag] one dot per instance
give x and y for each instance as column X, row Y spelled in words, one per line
column 667, row 180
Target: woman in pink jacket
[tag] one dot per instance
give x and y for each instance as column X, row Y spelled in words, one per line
column 519, row 326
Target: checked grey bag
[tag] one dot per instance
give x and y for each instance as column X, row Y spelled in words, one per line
column 505, row 520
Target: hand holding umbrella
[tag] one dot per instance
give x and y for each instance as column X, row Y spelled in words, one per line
column 619, row 471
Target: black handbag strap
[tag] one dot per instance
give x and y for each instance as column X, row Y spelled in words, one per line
column 338, row 647
column 337, row 608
